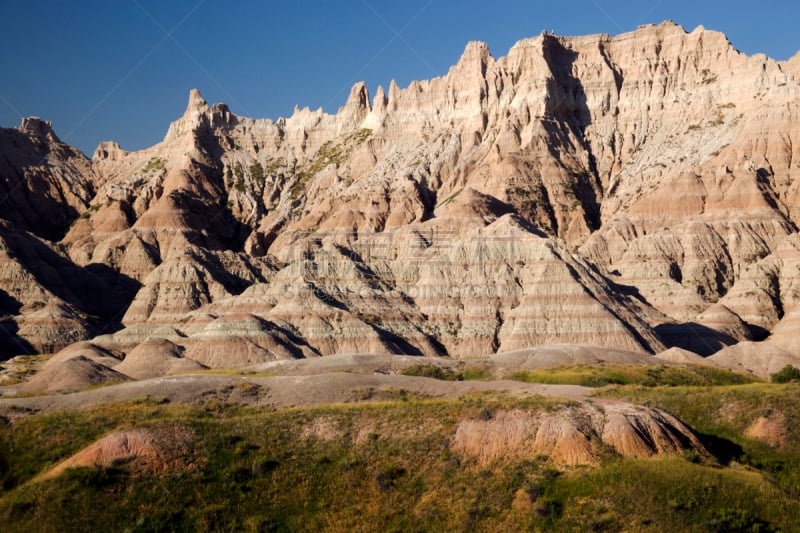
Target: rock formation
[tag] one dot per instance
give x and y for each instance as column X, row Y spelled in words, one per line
column 73, row 374
column 637, row 192
column 574, row 437
column 153, row 450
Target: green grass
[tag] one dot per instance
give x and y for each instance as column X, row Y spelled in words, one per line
column 671, row 494
column 447, row 374
column 155, row 164
column 722, row 416
column 648, row 376
column 383, row 466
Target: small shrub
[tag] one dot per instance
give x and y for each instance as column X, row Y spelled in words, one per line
column 388, row 476
column 155, row 163
column 265, row 466
column 95, row 477
column 486, row 413
column 692, row 456
column 737, row 520
column 786, row 374
column 475, row 374
column 257, row 173
column 239, row 174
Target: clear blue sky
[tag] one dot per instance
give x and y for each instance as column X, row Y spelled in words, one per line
column 122, row 69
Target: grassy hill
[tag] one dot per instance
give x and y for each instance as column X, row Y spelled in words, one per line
column 389, row 465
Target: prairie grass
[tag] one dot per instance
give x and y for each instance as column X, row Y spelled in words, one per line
column 383, row 466
column 723, row 415
column 649, row 376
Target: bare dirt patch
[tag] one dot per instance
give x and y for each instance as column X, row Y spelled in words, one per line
column 770, row 429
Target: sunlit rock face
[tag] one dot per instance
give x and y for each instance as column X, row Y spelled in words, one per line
column 637, row 192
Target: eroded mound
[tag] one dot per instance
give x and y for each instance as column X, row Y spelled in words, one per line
column 155, row 450
column 681, row 356
column 761, row 359
column 554, row 355
column 75, row 373
column 86, row 349
column 574, row 435
column 157, row 357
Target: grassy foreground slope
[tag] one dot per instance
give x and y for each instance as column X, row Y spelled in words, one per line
column 755, row 425
column 390, row 466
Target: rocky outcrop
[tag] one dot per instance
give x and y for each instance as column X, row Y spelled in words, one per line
column 574, row 436
column 109, row 150
column 762, row 359
column 240, row 340
column 155, row 450
column 792, row 66
column 681, row 356
column 549, row 356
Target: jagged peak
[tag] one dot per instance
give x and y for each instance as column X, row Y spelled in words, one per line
column 379, row 102
column 476, row 54
column 358, row 98
column 196, row 102
column 475, row 49
column 380, row 93
column 192, row 117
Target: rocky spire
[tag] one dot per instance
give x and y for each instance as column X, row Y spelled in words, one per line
column 391, row 102
column 191, row 119
column 357, row 105
column 196, row 103
column 379, row 103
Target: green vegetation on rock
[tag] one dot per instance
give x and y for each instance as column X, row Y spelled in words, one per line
column 155, row 164
column 331, row 152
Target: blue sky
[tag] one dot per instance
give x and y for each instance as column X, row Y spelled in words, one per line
column 122, row 69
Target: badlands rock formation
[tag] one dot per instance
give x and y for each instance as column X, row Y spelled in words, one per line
column 637, row 192
column 574, row 438
column 155, row 450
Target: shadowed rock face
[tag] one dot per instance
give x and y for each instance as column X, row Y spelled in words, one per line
column 636, row 192
column 44, row 183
